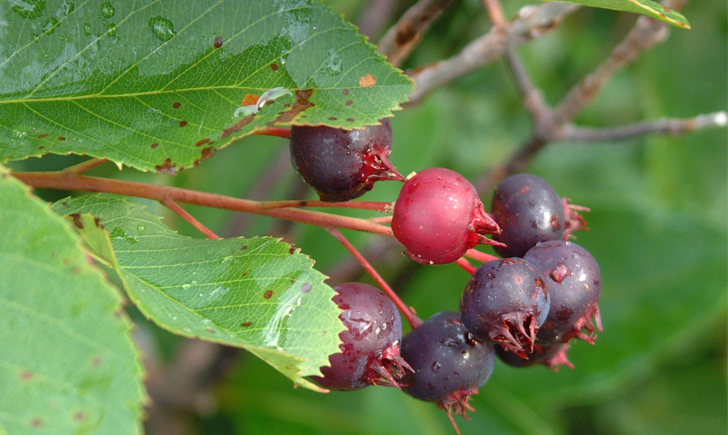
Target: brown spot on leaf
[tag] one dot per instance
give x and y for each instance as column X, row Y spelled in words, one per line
column 346, row 92
column 203, row 142
column 246, row 324
column 210, row 331
column 244, row 274
column 167, row 167
column 349, row 102
column 97, row 221
column 333, row 118
column 65, row 204
column 244, row 247
column 97, row 361
column 237, row 127
column 61, row 138
column 182, row 123
column 367, row 81
column 36, row 422
column 26, row 375
column 43, row 136
column 306, row 287
column 302, row 103
column 156, row 144
column 77, row 220
column 177, row 105
column 274, row 67
column 250, row 99
column 79, row 416
column 268, row 294
column 350, row 119
column 218, row 42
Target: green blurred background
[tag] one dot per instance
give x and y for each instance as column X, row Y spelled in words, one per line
column 658, row 230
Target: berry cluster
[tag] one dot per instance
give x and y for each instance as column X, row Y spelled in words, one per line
column 524, row 308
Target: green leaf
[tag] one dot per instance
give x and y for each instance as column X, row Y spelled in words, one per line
column 258, row 293
column 642, row 7
column 67, row 361
column 156, row 85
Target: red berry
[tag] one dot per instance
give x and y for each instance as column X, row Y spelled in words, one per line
column 439, row 216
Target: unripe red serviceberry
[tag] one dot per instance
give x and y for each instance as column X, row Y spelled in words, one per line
column 343, row 164
column 439, row 216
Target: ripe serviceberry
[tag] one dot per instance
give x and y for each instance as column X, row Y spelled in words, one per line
column 439, row 216
column 449, row 363
column 343, row 164
column 369, row 345
column 575, row 285
column 505, row 302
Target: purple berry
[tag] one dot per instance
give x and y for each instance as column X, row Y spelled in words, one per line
column 528, row 211
column 575, row 285
column 505, row 302
column 439, row 216
column 550, row 356
column 343, row 164
column 449, row 363
column 369, row 345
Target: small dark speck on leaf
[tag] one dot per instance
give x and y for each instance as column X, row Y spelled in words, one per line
column 333, row 118
column 350, row 119
column 61, row 138
column 218, row 42
column 156, row 144
column 177, row 105
column 274, row 67
column 97, row 221
column 36, row 422
column 43, row 136
column 26, row 375
column 306, row 287
column 65, row 204
column 349, row 102
column 167, row 167
column 244, row 274
column 203, row 142
column 210, row 331
column 244, row 247
column 79, row 416
column 182, row 123
column 96, row 361
column 41, row 147
column 346, row 92
column 268, row 294
column 246, row 324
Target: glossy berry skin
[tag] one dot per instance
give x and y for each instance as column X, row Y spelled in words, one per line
column 343, row 164
column 439, row 216
column 370, row 344
column 575, row 285
column 528, row 211
column 448, row 361
column 550, row 356
column 505, row 302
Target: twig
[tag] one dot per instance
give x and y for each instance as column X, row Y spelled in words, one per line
column 61, row 181
column 376, row 15
column 406, row 311
column 495, row 11
column 403, row 37
column 532, row 23
column 189, row 218
column 383, row 207
column 665, row 126
column 532, row 97
column 84, row 166
column 646, row 33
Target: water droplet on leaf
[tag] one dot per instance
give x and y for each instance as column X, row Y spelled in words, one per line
column 162, row 28
column 107, row 10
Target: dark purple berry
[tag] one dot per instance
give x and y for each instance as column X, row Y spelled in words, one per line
column 370, row 344
column 550, row 356
column 575, row 285
column 439, row 216
column 505, row 302
column 449, row 363
column 343, row 164
column 528, row 211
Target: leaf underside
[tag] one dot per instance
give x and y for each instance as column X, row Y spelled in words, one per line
column 156, row 85
column 257, row 293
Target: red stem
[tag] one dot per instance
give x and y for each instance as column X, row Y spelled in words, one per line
column 480, row 256
column 465, row 264
column 406, row 311
column 274, row 131
column 189, row 218
column 62, row 181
